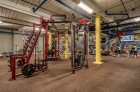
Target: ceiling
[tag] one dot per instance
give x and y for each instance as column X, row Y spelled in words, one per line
column 18, row 14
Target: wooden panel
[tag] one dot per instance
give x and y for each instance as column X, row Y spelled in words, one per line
column 53, row 5
column 0, row 11
column 11, row 14
column 14, row 1
column 19, row 16
column 15, row 14
column 7, row 12
column 36, row 2
column 3, row 11
column 25, row 18
column 22, row 18
column 28, row 16
column 10, row 0
column 31, row 18
column 48, row 4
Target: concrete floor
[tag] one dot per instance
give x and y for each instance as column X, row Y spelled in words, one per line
column 115, row 75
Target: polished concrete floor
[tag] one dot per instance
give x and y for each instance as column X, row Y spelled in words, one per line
column 115, row 75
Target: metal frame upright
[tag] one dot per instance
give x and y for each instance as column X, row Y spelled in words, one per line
column 14, row 57
column 73, row 44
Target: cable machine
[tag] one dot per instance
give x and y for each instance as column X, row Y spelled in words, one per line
column 79, row 56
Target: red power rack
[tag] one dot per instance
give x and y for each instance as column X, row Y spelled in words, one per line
column 31, row 42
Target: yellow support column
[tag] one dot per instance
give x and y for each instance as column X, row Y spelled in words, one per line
column 50, row 40
column 98, row 39
column 66, row 45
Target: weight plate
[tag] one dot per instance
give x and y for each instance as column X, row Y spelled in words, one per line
column 40, row 66
column 24, row 69
column 19, row 63
column 27, row 70
column 32, row 68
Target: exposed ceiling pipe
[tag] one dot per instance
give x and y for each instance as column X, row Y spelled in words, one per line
column 125, row 8
column 115, row 13
column 122, row 19
column 114, row 6
column 121, row 25
column 72, row 9
column 92, row 28
column 34, row 10
column 128, row 9
column 9, row 28
column 40, row 7
column 19, row 8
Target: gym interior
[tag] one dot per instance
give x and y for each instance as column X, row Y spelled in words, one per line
column 69, row 45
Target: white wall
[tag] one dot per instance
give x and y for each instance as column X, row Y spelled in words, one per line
column 5, row 43
column 9, row 40
column 17, row 40
column 40, row 40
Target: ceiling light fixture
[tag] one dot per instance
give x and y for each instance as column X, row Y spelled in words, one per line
column 0, row 21
column 85, row 7
column 137, row 19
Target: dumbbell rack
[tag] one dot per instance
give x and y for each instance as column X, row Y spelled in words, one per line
column 28, row 49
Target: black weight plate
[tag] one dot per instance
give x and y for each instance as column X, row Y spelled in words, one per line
column 24, row 69
column 28, row 71
column 40, row 66
column 32, row 68
column 19, row 63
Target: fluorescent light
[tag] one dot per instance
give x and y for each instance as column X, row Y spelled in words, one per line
column 137, row 19
column 85, row 7
column 0, row 21
column 36, row 28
